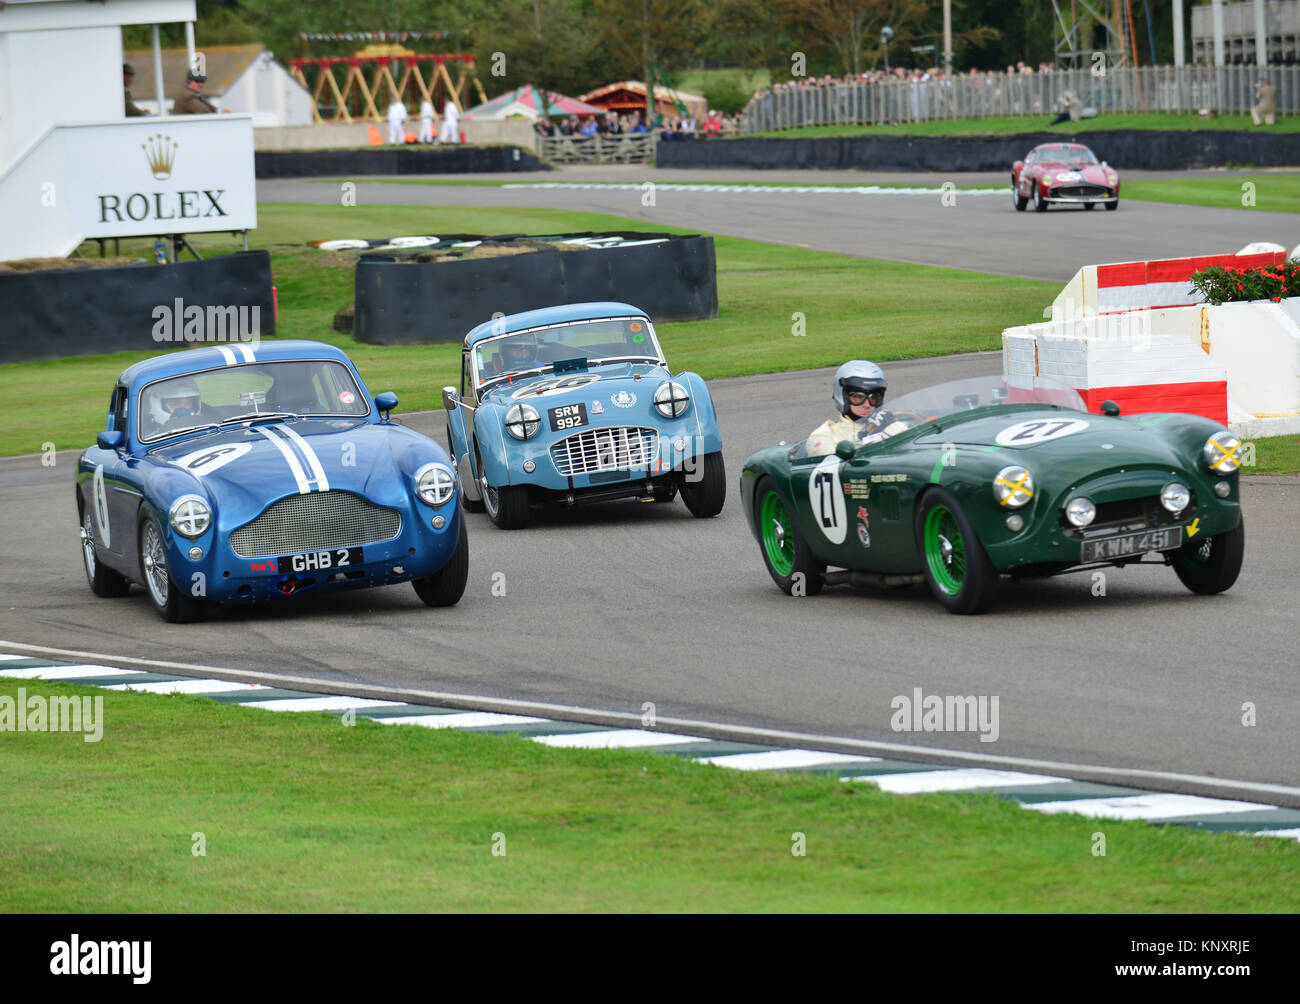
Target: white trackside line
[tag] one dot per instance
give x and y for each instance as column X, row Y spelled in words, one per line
column 319, row 704
column 469, row 720
column 964, row 779
column 296, row 468
column 615, row 739
column 728, row 730
column 322, row 482
column 1148, row 806
column 1286, row 834
column 783, row 759
column 65, row 672
column 188, row 687
column 227, row 355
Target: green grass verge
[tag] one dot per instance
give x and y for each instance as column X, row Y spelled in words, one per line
column 1276, row 455
column 300, row 813
column 1013, row 124
column 1268, row 192
column 851, row 307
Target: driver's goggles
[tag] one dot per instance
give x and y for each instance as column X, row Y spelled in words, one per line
column 861, row 396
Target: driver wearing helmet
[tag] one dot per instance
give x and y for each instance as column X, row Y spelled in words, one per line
column 176, row 405
column 858, row 391
column 520, row 353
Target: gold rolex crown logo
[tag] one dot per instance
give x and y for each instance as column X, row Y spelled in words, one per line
column 160, row 151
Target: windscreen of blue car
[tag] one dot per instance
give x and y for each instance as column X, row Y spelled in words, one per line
column 590, row 341
column 297, row 387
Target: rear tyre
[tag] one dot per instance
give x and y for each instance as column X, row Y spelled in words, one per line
column 1040, row 204
column 173, row 605
column 705, row 497
column 959, row 572
column 445, row 587
column 1212, row 565
column 103, row 580
column 785, row 554
column 1018, row 200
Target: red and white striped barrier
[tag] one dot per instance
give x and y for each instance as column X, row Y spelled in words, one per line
column 1144, row 285
column 1136, row 333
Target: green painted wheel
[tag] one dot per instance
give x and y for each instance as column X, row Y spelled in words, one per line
column 959, row 572
column 788, row 560
column 778, row 543
column 945, row 550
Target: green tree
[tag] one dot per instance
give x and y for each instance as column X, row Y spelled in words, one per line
column 649, row 34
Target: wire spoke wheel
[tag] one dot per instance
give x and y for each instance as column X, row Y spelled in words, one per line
column 945, row 550
column 155, row 563
column 957, row 567
column 777, row 541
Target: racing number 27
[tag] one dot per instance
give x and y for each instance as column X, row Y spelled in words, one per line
column 825, row 484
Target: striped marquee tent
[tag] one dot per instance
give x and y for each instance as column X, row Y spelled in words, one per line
column 530, row 102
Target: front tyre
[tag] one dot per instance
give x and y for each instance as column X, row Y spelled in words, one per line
column 171, row 603
column 785, row 554
column 705, row 497
column 445, row 587
column 1040, row 203
column 1018, row 200
column 506, row 506
column 956, row 566
column 103, row 580
column 1112, row 206
column 1211, row 565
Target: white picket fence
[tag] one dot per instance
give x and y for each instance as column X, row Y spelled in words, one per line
column 1228, row 89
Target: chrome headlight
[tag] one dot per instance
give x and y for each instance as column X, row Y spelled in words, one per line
column 1080, row 511
column 190, row 516
column 1175, row 496
column 1013, row 487
column 672, row 400
column 1220, row 452
column 435, row 484
column 522, row 421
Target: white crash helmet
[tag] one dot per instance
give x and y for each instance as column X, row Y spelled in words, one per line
column 857, row 374
column 175, row 391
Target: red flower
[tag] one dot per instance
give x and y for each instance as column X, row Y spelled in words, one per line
column 1276, row 299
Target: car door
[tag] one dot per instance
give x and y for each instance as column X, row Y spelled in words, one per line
column 104, row 496
column 460, row 421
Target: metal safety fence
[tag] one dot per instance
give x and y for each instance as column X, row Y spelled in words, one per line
column 1221, row 90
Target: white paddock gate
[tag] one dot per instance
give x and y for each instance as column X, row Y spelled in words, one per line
column 1238, row 363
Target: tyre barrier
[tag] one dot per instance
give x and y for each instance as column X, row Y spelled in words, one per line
column 401, row 301
column 1126, row 149
column 138, row 307
column 390, row 161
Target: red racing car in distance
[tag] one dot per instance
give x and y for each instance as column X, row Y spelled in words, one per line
column 1064, row 173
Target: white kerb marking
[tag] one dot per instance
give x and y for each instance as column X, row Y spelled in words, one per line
column 1152, row 806
column 319, row 704
column 1285, row 834
column 615, row 739
column 783, row 760
column 187, row 687
column 468, row 720
column 296, row 468
column 65, row 672
column 956, row 780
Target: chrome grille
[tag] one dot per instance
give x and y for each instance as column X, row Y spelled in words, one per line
column 616, row 448
column 1081, row 191
column 315, row 522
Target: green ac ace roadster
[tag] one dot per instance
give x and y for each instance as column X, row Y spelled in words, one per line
column 990, row 479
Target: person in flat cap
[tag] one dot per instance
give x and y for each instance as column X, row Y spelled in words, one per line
column 192, row 101
column 132, row 109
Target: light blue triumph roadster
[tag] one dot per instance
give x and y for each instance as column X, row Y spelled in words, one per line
column 247, row 473
column 576, row 404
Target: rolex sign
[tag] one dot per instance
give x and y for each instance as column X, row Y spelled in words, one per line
column 188, row 174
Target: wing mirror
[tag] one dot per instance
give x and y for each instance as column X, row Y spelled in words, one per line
column 451, row 400
column 845, row 449
column 113, row 440
column 386, row 402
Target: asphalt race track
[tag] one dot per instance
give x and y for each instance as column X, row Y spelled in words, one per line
column 979, row 232
column 613, row 606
